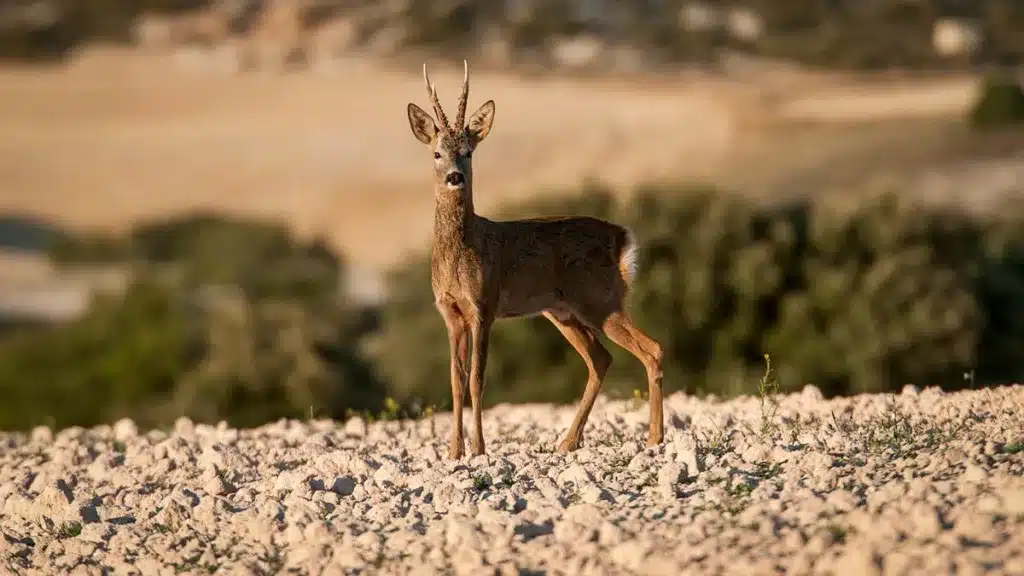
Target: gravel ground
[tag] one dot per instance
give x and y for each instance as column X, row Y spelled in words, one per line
column 914, row 483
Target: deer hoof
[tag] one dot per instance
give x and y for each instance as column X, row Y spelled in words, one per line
column 653, row 441
column 567, row 446
column 456, row 451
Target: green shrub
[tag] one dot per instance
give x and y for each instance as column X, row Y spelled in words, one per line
column 226, row 318
column 852, row 300
column 261, row 361
column 999, row 103
column 261, row 258
column 124, row 357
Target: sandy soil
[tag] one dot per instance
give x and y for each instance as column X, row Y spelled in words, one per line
column 121, row 137
column 916, row 483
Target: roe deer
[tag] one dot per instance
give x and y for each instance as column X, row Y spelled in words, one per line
column 575, row 271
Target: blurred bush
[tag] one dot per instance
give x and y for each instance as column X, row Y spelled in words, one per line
column 1000, row 103
column 44, row 30
column 868, row 34
column 862, row 299
column 122, row 358
column 261, row 258
column 224, row 319
column 237, row 320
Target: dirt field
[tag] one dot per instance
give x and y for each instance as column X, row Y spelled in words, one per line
column 121, row 137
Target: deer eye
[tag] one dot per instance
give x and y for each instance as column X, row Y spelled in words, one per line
column 437, row 155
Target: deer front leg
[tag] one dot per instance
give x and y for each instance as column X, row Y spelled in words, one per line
column 458, row 342
column 480, row 334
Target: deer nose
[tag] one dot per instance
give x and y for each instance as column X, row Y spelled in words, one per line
column 455, row 179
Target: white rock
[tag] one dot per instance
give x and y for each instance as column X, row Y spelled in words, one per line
column 756, row 453
column 1013, row 499
column 355, row 427
column 592, row 494
column 576, row 474
column 975, row 473
column 218, row 486
column 41, row 435
column 670, row 477
column 184, row 427
column 125, row 430
column 811, row 393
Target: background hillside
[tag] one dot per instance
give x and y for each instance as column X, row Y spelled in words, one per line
column 217, row 210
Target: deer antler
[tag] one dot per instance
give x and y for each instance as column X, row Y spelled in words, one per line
column 438, row 111
column 460, row 120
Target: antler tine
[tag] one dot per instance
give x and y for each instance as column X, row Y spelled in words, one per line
column 432, row 92
column 460, row 120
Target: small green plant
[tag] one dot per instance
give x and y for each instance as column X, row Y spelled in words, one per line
column 1013, row 447
column 767, row 390
column 841, row 461
column 638, row 400
column 796, row 427
column 573, row 496
column 736, row 495
column 892, row 429
column 843, row 424
column 738, row 489
column 508, row 476
column 618, row 436
column 118, row 446
column 766, row 470
column 717, row 443
column 837, row 532
column 618, row 460
column 428, row 412
column 482, row 481
column 69, row 530
column 391, row 410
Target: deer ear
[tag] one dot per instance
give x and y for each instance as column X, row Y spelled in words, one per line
column 479, row 125
column 423, row 126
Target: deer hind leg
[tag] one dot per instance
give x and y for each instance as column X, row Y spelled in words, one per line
column 458, row 342
column 597, row 359
column 621, row 330
column 479, row 328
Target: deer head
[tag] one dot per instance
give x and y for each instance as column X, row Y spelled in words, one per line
column 452, row 145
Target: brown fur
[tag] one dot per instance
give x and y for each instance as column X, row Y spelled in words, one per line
column 574, row 271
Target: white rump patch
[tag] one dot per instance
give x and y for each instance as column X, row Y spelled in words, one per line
column 628, row 259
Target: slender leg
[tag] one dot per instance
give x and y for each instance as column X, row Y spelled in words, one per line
column 597, row 359
column 480, row 334
column 621, row 330
column 458, row 342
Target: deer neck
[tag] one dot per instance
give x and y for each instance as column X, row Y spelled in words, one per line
column 453, row 220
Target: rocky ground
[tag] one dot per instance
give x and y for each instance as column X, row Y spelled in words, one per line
column 920, row 482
